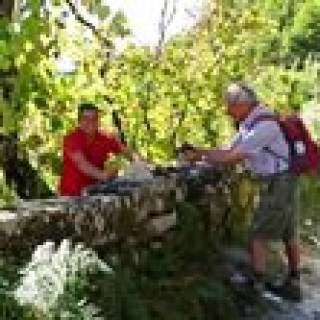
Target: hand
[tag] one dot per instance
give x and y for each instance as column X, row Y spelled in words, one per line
column 140, row 159
column 109, row 174
column 210, row 156
column 136, row 157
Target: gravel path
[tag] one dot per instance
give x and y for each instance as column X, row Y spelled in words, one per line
column 309, row 307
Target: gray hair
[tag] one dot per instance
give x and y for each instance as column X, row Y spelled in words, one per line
column 238, row 92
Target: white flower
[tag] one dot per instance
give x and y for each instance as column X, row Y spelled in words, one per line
column 46, row 276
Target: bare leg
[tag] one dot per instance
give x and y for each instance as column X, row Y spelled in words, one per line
column 292, row 249
column 258, row 255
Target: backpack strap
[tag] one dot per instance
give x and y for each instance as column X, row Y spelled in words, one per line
column 269, row 117
column 263, row 117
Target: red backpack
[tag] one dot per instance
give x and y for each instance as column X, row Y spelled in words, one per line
column 304, row 153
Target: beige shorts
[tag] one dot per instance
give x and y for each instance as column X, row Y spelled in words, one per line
column 276, row 210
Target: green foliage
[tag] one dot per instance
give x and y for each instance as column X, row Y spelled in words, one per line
column 124, row 294
column 40, row 106
column 304, row 36
column 9, row 307
column 309, row 210
column 160, row 100
column 7, row 195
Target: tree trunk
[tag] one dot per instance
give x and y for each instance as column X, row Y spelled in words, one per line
column 19, row 173
column 6, row 8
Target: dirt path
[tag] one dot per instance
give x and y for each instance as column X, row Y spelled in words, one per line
column 309, row 307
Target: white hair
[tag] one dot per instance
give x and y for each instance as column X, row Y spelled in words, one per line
column 238, row 92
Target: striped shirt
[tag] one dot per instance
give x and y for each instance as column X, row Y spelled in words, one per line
column 252, row 141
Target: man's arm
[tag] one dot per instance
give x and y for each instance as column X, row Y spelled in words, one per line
column 88, row 169
column 259, row 137
column 231, row 156
column 228, row 156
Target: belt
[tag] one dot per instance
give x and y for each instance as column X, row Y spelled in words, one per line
column 282, row 174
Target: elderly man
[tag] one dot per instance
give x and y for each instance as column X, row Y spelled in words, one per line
column 85, row 150
column 275, row 215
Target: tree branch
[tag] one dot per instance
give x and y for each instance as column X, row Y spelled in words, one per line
column 87, row 24
column 163, row 25
column 173, row 138
column 116, row 119
column 117, row 122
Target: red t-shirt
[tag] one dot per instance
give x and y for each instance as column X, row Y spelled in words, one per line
column 96, row 151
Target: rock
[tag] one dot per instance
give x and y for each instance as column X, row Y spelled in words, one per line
column 121, row 209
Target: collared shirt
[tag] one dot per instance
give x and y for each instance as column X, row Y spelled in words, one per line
column 96, row 151
column 252, row 141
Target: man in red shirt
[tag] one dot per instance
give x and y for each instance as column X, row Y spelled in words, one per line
column 85, row 150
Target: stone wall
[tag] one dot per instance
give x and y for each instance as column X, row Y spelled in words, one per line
column 133, row 215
